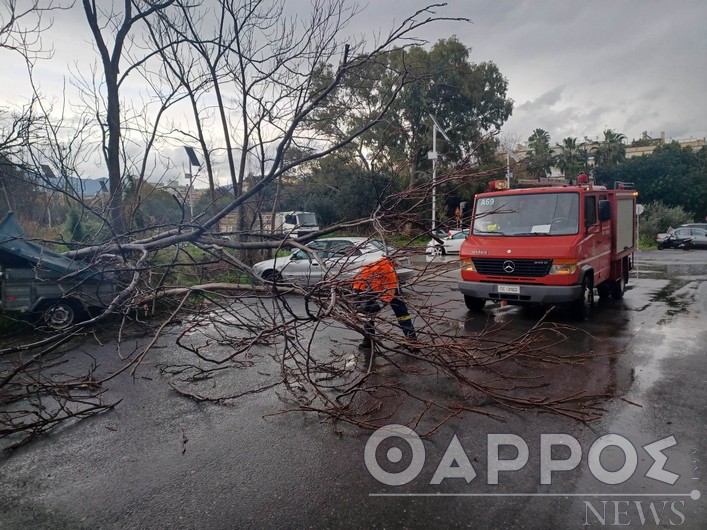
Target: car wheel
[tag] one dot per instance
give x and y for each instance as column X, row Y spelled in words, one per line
column 60, row 315
column 473, row 303
column 582, row 307
column 271, row 275
column 438, row 250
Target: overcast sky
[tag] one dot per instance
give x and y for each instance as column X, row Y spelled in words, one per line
column 577, row 68
column 574, row 68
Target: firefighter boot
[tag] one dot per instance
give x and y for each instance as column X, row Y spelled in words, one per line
column 365, row 344
column 369, row 330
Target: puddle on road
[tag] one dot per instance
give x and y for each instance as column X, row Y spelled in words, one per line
column 678, row 289
column 670, row 301
column 660, row 293
column 642, row 271
column 570, row 357
column 678, row 295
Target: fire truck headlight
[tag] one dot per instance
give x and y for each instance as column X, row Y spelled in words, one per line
column 563, row 267
column 467, row 264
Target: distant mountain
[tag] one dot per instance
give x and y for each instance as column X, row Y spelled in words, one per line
column 84, row 187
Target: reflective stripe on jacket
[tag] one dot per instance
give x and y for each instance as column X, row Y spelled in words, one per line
column 378, row 277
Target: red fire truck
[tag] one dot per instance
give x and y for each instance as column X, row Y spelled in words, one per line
column 549, row 245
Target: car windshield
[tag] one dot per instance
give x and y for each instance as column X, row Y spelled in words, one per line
column 318, row 245
column 527, row 214
column 380, row 246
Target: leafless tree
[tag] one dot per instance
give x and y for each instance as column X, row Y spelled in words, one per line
column 105, row 21
column 21, row 28
column 22, row 24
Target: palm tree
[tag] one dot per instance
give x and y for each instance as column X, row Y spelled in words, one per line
column 540, row 159
column 539, row 139
column 611, row 150
column 570, row 158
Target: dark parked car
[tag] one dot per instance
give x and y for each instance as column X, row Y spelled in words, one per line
column 37, row 280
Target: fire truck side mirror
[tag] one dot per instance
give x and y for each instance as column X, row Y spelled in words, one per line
column 604, row 211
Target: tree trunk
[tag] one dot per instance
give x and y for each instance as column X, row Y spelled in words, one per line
column 112, row 155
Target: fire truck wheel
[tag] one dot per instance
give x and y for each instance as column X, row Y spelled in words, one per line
column 584, row 304
column 618, row 288
column 473, row 303
column 604, row 290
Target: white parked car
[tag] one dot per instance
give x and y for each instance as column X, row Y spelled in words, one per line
column 342, row 257
column 448, row 245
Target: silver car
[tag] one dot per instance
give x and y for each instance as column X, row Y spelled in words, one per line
column 342, row 257
column 662, row 236
column 697, row 236
column 448, row 245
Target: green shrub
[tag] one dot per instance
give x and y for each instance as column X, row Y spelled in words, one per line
column 657, row 218
column 84, row 228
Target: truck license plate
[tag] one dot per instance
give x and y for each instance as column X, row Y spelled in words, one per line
column 509, row 289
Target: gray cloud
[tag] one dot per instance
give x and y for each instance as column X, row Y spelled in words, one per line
column 574, row 68
column 578, row 68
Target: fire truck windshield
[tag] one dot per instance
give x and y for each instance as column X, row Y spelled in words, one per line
column 531, row 214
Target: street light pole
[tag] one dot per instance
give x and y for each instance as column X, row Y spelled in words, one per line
column 434, row 176
column 508, row 170
column 193, row 161
column 509, row 155
column 49, row 175
column 190, row 193
column 432, row 155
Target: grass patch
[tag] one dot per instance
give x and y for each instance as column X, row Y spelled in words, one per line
column 409, row 241
column 647, row 242
column 234, row 276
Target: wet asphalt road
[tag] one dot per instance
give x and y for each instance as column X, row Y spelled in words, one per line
column 159, row 460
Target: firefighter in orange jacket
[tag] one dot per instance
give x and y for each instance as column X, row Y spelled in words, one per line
column 377, row 285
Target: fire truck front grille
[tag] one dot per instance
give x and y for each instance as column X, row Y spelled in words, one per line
column 528, row 268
